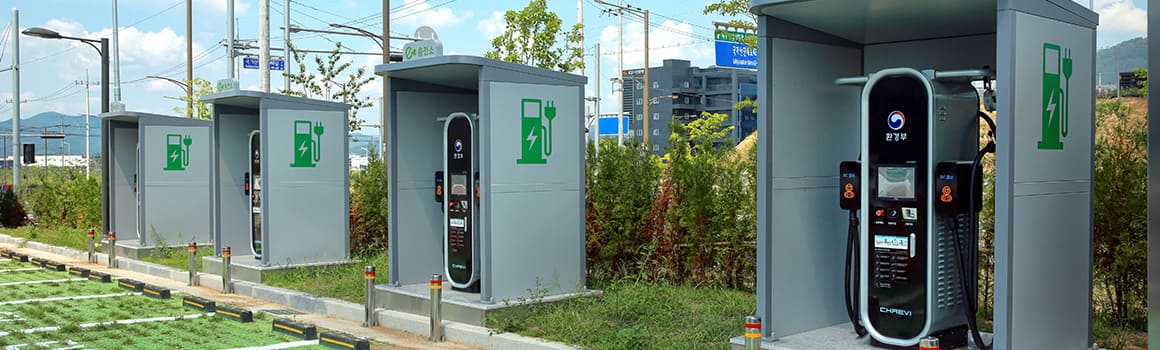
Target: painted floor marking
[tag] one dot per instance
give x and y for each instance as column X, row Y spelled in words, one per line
column 289, row 345
column 79, row 297
column 41, row 281
column 108, row 323
column 22, row 269
column 68, row 343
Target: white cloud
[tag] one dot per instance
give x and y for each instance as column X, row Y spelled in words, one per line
column 420, row 13
column 1119, row 20
column 241, row 7
column 492, row 26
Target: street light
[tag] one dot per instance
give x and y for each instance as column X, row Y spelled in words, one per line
column 377, row 38
column 184, row 86
column 103, row 50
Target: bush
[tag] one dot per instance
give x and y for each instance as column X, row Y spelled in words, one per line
column 1121, row 221
column 621, row 186
column 368, row 208
column 62, row 197
column 11, row 212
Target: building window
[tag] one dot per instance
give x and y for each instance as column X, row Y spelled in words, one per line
column 639, row 132
column 639, row 117
column 639, row 86
column 656, row 132
column 656, row 85
column 656, row 116
column 639, row 101
column 656, row 148
column 685, row 85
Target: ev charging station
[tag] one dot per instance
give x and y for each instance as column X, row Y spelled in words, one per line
column 155, row 181
column 868, row 180
column 281, row 183
column 486, row 184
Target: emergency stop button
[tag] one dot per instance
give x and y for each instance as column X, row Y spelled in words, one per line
column 946, row 196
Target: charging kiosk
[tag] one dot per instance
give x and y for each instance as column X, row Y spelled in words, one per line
column 842, row 81
column 155, row 181
column 281, row 183
column 486, row 184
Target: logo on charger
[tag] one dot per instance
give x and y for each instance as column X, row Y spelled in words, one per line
column 896, row 120
column 458, row 145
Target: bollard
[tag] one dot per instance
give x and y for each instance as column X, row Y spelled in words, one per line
column 112, row 238
column 192, row 264
column 227, row 286
column 436, row 334
column 752, row 333
column 928, row 343
column 92, row 246
column 369, row 315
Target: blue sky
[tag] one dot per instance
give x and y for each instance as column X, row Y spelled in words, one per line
column 153, row 40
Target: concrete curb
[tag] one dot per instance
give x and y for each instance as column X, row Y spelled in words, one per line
column 476, row 336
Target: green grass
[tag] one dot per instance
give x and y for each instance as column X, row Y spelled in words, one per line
column 49, row 290
column 633, row 315
column 73, row 238
column 177, row 257
column 28, row 276
column 343, row 282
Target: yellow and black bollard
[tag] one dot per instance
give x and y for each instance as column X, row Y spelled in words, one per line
column 436, row 334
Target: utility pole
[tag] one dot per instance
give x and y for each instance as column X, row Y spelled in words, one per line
column 189, row 58
column 16, row 147
column 116, row 61
column 580, row 21
column 264, row 44
column 596, row 134
column 620, row 70
column 287, row 56
column 645, row 99
column 88, row 115
column 385, row 105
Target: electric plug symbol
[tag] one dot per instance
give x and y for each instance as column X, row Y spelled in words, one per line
column 550, row 111
column 318, row 129
column 1067, row 64
column 1066, row 96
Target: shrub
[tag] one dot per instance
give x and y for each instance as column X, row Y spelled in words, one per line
column 621, row 186
column 62, row 197
column 368, row 207
column 11, row 212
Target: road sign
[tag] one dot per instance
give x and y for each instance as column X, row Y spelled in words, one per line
column 732, row 51
column 252, row 63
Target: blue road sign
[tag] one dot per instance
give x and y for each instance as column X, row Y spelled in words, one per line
column 737, row 55
column 608, row 125
column 252, row 63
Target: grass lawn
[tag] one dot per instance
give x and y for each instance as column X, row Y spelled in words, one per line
column 178, row 257
column 73, row 238
column 343, row 282
column 634, row 315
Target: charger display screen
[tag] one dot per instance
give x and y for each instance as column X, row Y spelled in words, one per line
column 896, row 183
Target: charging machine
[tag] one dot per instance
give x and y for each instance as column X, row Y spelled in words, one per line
column 870, row 132
column 281, row 182
column 486, row 184
column 155, row 179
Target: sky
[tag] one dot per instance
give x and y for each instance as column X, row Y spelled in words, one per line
column 152, row 41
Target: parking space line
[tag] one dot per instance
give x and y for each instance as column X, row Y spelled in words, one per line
column 41, row 281
column 289, row 345
column 79, row 297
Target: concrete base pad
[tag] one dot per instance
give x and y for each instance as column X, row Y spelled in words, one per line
column 132, row 248
column 840, row 336
column 458, row 306
column 250, row 269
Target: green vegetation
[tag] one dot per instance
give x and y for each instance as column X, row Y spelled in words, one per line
column 62, row 197
column 635, row 315
column 368, row 207
column 343, row 282
column 177, row 257
column 534, row 36
column 62, row 237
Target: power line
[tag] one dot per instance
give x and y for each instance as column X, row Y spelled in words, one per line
column 175, row 4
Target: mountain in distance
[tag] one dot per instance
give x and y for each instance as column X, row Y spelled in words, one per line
column 72, row 126
column 1129, row 55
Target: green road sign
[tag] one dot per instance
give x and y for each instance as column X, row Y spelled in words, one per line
column 535, row 138
column 1056, row 62
column 177, row 152
column 307, row 143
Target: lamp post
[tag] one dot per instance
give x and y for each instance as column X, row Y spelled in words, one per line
column 184, row 87
column 644, row 14
column 103, row 50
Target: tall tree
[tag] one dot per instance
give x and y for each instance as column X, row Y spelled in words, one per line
column 534, row 37
column 324, row 83
column 201, row 110
column 733, row 8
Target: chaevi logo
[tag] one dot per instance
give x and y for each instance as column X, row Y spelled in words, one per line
column 896, row 120
column 899, row 312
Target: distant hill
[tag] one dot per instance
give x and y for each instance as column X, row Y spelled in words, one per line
column 1131, row 54
column 72, row 126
